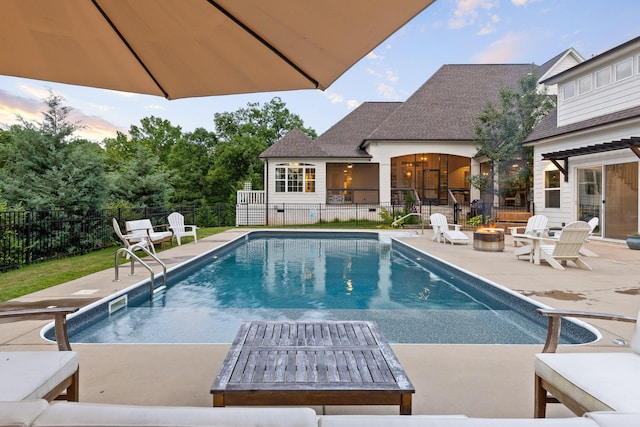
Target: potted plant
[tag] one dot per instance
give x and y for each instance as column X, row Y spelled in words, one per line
column 633, row 241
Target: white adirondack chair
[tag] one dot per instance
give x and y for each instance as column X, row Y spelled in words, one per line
column 567, row 247
column 536, row 226
column 176, row 225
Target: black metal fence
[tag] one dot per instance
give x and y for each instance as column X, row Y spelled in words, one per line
column 27, row 237
column 33, row 236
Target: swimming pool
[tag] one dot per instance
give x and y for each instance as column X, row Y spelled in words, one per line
column 293, row 275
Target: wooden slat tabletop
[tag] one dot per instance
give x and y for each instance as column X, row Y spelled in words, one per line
column 332, row 362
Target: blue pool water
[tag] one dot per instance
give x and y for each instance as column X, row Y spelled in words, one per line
column 413, row 297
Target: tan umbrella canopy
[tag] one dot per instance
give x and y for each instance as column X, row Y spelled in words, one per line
column 187, row 48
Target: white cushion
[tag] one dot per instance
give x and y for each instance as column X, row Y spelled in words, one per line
column 72, row 414
column 615, row 419
column 444, row 421
column 33, row 374
column 21, row 414
column 598, row 381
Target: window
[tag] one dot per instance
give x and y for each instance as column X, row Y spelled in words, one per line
column 603, row 77
column 569, row 90
column 295, row 178
column 624, row 69
column 584, row 84
column 552, row 189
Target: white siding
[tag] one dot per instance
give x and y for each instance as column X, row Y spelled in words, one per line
column 321, row 183
column 568, row 193
column 615, row 96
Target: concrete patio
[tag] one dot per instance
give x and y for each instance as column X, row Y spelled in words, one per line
column 475, row 380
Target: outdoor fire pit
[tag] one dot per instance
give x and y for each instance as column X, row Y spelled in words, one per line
column 488, row 239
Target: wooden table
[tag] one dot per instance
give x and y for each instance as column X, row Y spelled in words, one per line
column 311, row 363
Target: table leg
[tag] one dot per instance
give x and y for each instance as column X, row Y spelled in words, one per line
column 405, row 404
column 218, row 400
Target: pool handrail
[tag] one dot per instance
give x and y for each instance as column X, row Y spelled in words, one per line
column 144, row 264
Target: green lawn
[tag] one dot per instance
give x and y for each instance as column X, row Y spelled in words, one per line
column 32, row 278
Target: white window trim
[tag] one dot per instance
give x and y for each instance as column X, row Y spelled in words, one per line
column 588, row 78
column 608, row 70
column 615, row 70
column 571, row 84
column 304, row 174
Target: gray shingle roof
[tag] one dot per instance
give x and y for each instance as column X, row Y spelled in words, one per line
column 294, row 144
column 343, row 139
column 444, row 107
column 548, row 127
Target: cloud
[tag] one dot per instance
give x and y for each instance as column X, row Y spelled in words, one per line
column 352, row 103
column 372, row 55
column 520, row 2
column 467, row 12
column 333, row 97
column 391, row 76
column 503, row 50
column 11, row 106
column 154, row 107
column 387, row 91
column 490, row 26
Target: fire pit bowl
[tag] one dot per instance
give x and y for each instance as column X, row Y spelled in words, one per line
column 488, row 240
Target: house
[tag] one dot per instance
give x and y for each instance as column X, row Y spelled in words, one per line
column 586, row 151
column 386, row 154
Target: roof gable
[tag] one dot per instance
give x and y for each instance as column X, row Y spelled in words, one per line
column 559, row 63
column 344, row 138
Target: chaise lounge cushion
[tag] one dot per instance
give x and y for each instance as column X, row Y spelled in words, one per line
column 448, row 421
column 615, row 419
column 33, row 374
column 21, row 414
column 612, row 379
column 74, row 414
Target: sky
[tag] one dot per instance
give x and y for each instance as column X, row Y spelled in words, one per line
column 447, row 32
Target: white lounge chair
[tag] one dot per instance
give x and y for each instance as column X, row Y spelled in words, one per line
column 28, row 375
column 441, row 229
column 133, row 242
column 176, row 225
column 584, row 382
column 536, row 225
column 143, row 230
column 567, row 247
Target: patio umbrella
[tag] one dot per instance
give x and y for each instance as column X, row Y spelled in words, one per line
column 188, row 48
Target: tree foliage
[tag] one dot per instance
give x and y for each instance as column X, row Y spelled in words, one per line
column 267, row 123
column 501, row 129
column 43, row 166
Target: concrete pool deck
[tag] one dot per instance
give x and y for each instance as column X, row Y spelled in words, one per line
column 475, row 380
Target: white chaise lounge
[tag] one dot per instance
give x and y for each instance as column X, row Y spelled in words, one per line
column 38, row 413
column 441, row 230
column 584, row 382
column 49, row 375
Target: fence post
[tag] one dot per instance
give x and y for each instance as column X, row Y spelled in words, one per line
column 28, row 238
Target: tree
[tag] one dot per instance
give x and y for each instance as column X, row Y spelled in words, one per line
column 242, row 136
column 234, row 163
column 142, row 181
column 268, row 123
column 42, row 167
column 501, row 130
column 188, row 162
